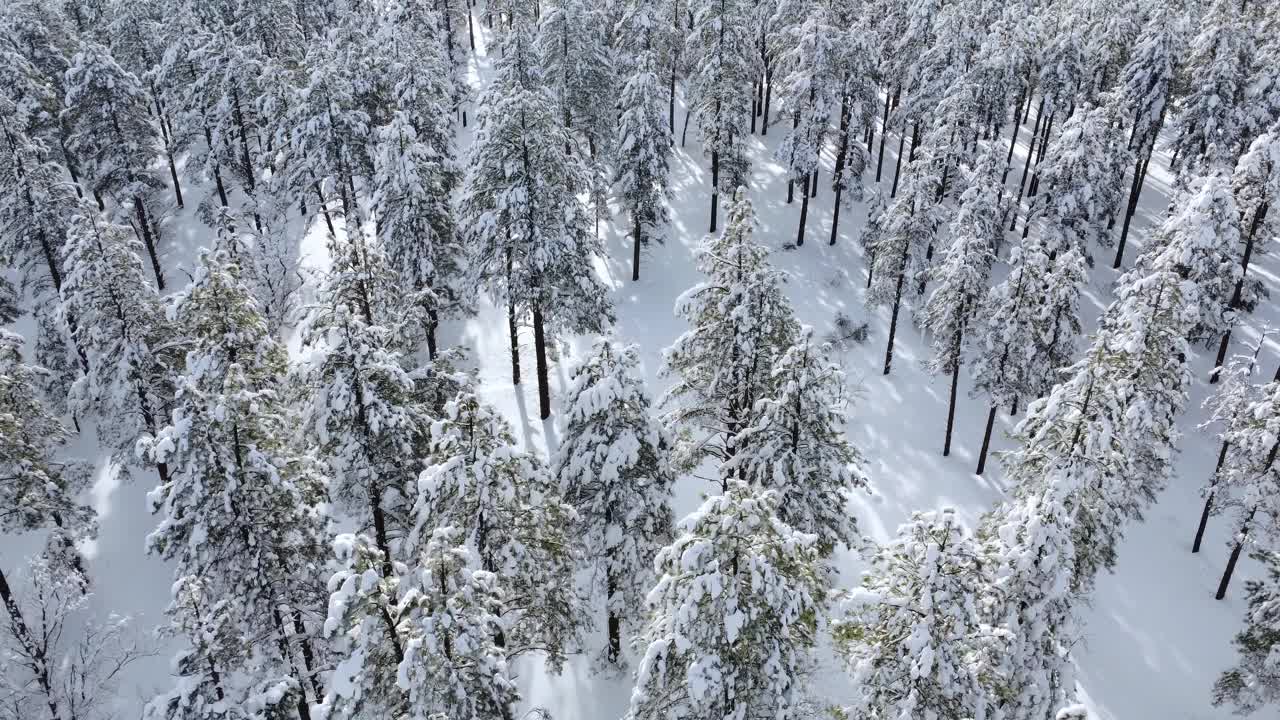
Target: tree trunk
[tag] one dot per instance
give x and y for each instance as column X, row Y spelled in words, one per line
column 835, row 215
column 635, row 257
column 148, row 241
column 1235, row 556
column 471, row 30
column 540, row 348
column 915, row 141
column 893, row 322
column 671, row 104
column 244, row 139
column 804, row 214
column 768, row 99
column 1208, row 499
column 986, row 441
column 1026, row 168
column 684, row 132
column 955, row 382
column 897, row 168
column 1135, row 190
column 34, row 651
column 884, row 134
column 813, row 183
column 328, row 221
column 791, row 190
column 173, row 173
column 715, row 186
column 512, row 328
column 614, row 622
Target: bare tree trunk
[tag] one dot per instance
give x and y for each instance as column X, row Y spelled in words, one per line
column 148, row 241
column 986, row 441
column 715, row 186
column 540, row 347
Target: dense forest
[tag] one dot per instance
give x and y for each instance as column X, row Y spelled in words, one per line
column 250, row 249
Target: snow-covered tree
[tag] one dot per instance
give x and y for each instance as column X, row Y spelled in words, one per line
column 505, row 505
column 734, row 616
column 740, row 324
column 114, row 138
column 901, row 253
column 578, row 68
column 1253, row 683
column 962, row 277
column 723, row 57
column 123, row 332
column 913, row 632
column 613, row 468
column 1207, row 129
column 529, row 231
column 642, row 154
column 243, row 511
column 797, row 447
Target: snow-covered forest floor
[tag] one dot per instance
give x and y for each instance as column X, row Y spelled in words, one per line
column 1154, row 637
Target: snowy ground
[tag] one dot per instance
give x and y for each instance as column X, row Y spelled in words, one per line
column 1155, row 638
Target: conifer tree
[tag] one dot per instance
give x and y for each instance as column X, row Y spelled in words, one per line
column 530, row 235
column 578, row 69
column 504, row 504
column 962, row 277
column 912, row 634
column 643, row 150
column 613, row 469
column 901, row 252
column 740, row 324
column 797, row 447
column 734, row 614
column 114, row 138
column 123, row 332
column 1253, row 683
column 724, row 61
column 244, row 510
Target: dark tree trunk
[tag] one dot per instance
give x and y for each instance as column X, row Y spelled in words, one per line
column 540, row 348
column 1135, row 191
column 893, row 321
column 1238, row 293
column 915, row 141
column 471, row 29
column 791, row 190
column 768, row 99
column 835, row 215
column 1208, row 499
column 433, row 322
column 244, row 140
column 614, row 622
column 1026, row 168
column 173, row 173
column 884, row 134
column 684, row 132
column 635, row 257
column 804, row 215
column 324, row 210
column 986, row 441
column 513, row 329
column 715, row 186
column 148, row 241
column 813, row 183
column 1235, row 556
column 671, row 104
column 955, row 382
column 897, row 167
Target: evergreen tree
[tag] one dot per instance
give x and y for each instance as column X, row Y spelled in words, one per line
column 529, row 233
column 902, row 248
column 1207, row 128
column 114, row 137
column 796, row 445
column 724, row 62
column 1253, row 683
column 734, row 614
column 122, row 330
column 244, row 510
column 962, row 277
column 740, row 324
column 504, row 504
column 912, row 634
column 613, row 469
column 578, row 69
column 644, row 147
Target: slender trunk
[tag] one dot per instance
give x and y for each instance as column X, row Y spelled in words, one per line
column 835, row 215
column 1235, row 555
column 897, row 168
column 684, row 132
column 884, row 134
column 324, row 210
column 955, row 382
column 804, row 214
column 244, row 139
column 614, row 622
column 35, row 652
column 893, row 321
column 1238, row 293
column 1026, row 168
column 173, row 174
column 471, row 30
column 671, row 104
column 635, row 257
column 148, row 241
column 791, row 190
column 813, row 183
column 986, row 441
column 715, row 186
column 1135, row 190
column 768, row 99
column 1208, row 498
column 915, row 141
column 540, row 348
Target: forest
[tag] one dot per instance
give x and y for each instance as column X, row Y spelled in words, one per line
column 639, row 359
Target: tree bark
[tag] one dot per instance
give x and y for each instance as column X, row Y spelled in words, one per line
column 1235, row 556
column 1208, row 499
column 768, row 99
column 893, row 322
column 955, row 382
column 1135, row 191
column 715, row 186
column 1026, row 168
column 986, row 441
column 884, row 134
column 897, row 168
column 515, row 343
column 635, row 257
column 540, row 347
column 148, row 241
column 1238, row 293
column 804, row 214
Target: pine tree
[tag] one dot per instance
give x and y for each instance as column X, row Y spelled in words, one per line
column 504, row 503
column 529, row 232
column 114, row 137
column 797, row 447
column 740, row 324
column 734, row 614
column 901, row 252
column 1253, row 683
column 123, row 332
column 613, row 469
column 1207, row 129
column 244, row 509
column 912, row 633
column 724, row 63
column 578, row 69
column 643, row 150
column 962, row 277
